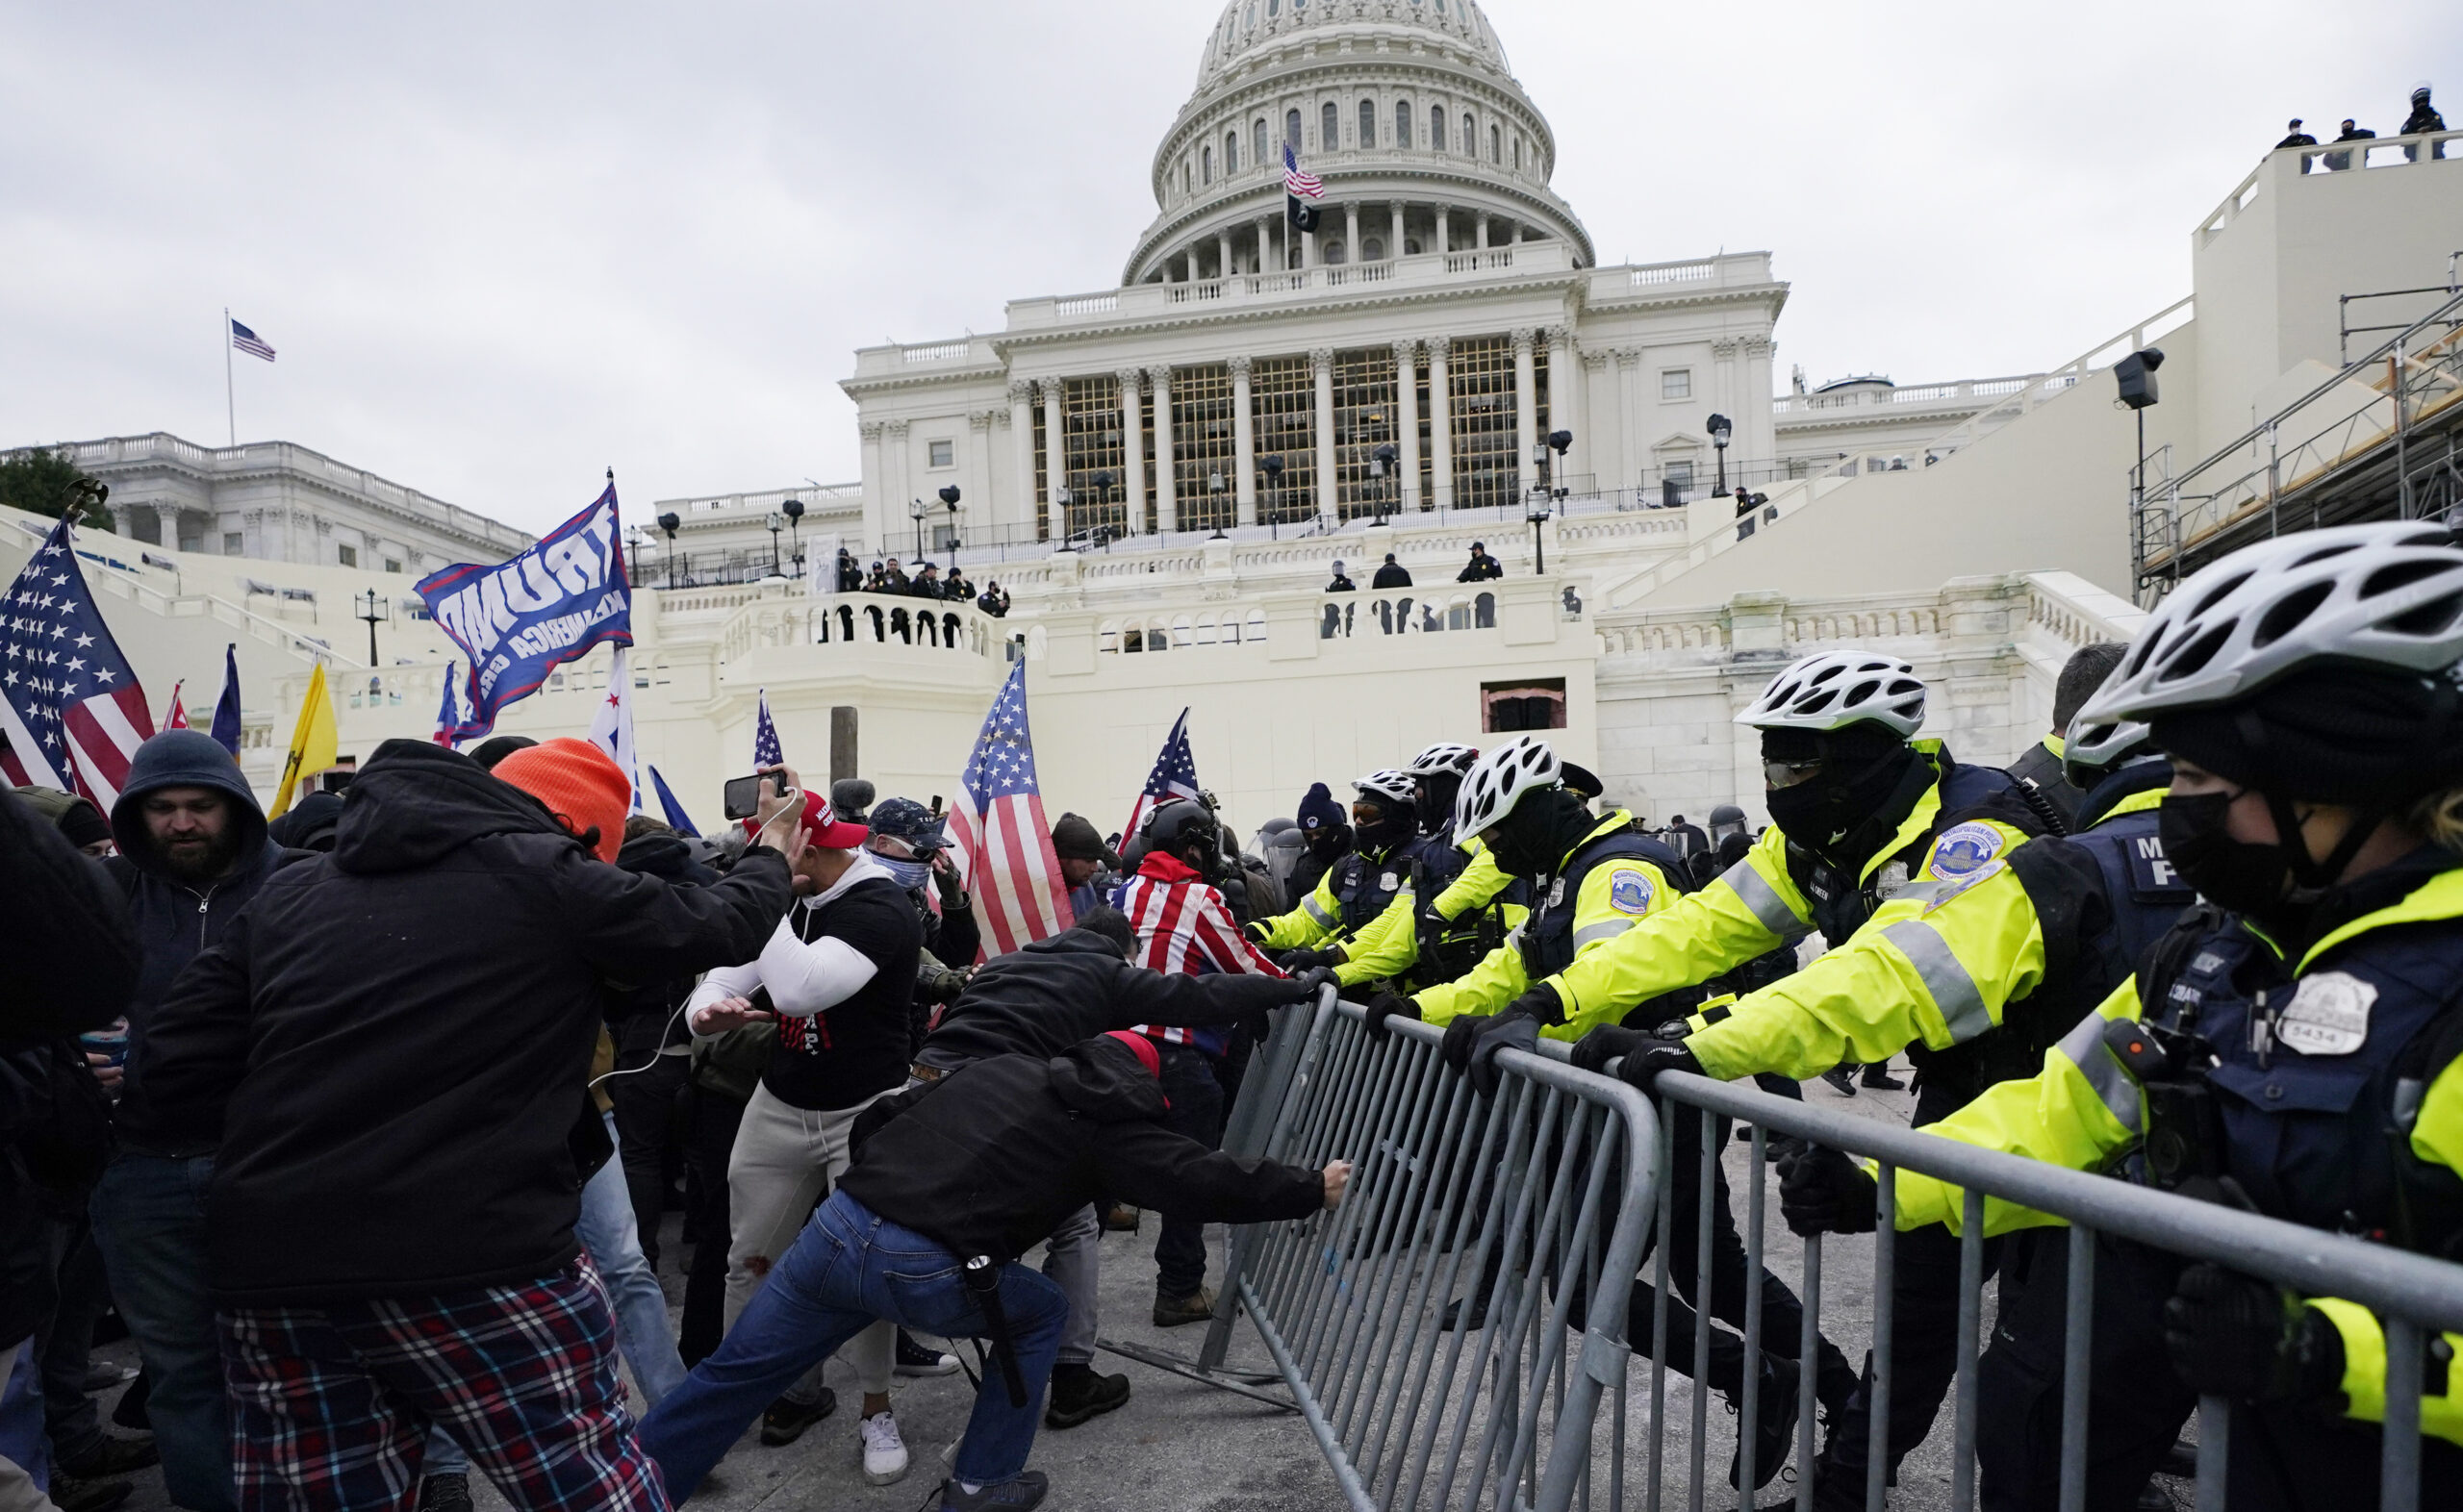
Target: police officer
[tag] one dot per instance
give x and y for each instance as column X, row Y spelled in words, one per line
column 1457, row 902
column 2305, row 690
column 1355, row 890
column 2039, row 773
column 1906, row 862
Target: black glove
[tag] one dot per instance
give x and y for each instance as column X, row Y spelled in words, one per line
column 1306, row 984
column 1506, row 1031
column 1459, row 1034
column 1296, row 961
column 1539, row 1001
column 945, row 986
column 1594, row 1050
column 2233, row 1335
column 1642, row 1066
column 1389, row 1005
column 1255, row 930
column 1824, row 1191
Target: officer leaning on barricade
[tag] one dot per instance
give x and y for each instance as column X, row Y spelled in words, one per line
column 1355, row 890
column 2302, row 1060
column 1924, row 964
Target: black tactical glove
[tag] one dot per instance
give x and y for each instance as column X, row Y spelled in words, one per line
column 1506, row 1031
column 1642, row 1066
column 1594, row 1050
column 1255, row 930
column 1539, row 1001
column 2233, row 1335
column 1824, row 1191
column 944, row 986
column 1307, row 984
column 1389, row 1004
column 1297, row 961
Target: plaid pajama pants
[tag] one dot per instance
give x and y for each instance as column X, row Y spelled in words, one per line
column 331, row 1405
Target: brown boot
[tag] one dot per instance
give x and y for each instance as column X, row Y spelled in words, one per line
column 1170, row 1312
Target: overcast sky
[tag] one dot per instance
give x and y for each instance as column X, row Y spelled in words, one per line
column 501, row 247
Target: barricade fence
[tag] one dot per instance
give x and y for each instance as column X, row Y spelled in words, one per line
column 1451, row 1333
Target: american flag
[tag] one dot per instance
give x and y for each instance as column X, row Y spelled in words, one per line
column 177, row 718
column 999, row 819
column 447, row 721
column 70, row 706
column 611, row 730
column 766, row 752
column 1307, row 185
column 249, row 342
column 1175, row 777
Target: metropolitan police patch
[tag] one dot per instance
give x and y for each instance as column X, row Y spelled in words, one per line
column 1963, row 850
column 1629, row 890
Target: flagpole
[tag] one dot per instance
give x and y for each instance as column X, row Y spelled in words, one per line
column 230, row 405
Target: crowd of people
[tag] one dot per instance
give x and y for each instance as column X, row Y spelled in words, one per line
column 891, row 576
column 2423, row 118
column 365, row 1123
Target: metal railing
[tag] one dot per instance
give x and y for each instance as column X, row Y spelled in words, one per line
column 1519, row 1214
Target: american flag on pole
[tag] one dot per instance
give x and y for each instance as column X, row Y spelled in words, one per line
column 612, row 729
column 1175, row 777
column 1307, row 185
column 177, row 718
column 766, row 752
column 249, row 342
column 447, row 720
column 71, row 710
column 999, row 819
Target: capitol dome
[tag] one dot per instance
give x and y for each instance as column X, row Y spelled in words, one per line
column 1406, row 109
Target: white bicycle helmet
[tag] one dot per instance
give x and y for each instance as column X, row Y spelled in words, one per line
column 2093, row 747
column 1441, row 757
column 1385, row 785
column 1497, row 781
column 2385, row 595
column 1832, row 690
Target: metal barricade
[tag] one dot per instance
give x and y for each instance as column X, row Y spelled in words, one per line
column 1520, row 1214
column 2414, row 1296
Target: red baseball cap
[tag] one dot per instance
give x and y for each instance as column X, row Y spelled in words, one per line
column 822, row 826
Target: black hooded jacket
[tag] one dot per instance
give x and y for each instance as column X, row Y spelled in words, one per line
column 642, row 1017
column 1023, row 1141
column 392, row 1042
column 1073, row 986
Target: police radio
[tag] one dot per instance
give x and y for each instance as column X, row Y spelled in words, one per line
column 2183, row 1146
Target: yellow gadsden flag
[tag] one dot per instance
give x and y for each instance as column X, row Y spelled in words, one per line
column 314, row 744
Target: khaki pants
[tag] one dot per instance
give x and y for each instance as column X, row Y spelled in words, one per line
column 785, row 1158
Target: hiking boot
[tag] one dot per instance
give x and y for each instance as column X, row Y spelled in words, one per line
column 1079, row 1395
column 916, row 1359
column 445, row 1494
column 102, row 1375
column 110, row 1456
column 1774, row 1422
column 1170, row 1312
column 1009, row 1496
column 884, row 1452
column 787, row 1418
column 1877, row 1075
column 1841, row 1078
column 1122, row 1218
column 71, row 1495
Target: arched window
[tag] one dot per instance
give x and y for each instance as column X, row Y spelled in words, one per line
column 1402, row 123
column 1274, row 8
column 1335, row 255
column 1371, row 250
column 1258, row 144
column 1330, row 128
column 1437, row 128
column 1368, row 123
column 1231, row 153
column 1496, row 146
column 1205, row 161
column 1291, row 129
column 1470, row 136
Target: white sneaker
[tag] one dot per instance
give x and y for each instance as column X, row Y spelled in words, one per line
column 884, row 1452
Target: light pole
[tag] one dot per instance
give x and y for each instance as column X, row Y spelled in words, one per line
column 1272, row 467
column 1101, row 483
column 1720, row 429
column 372, row 607
column 794, row 509
column 1560, row 442
column 776, row 522
column 1215, row 489
column 950, row 500
column 917, row 511
column 671, row 522
column 2136, row 376
column 1380, row 466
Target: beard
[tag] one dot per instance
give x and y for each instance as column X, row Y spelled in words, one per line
column 202, row 860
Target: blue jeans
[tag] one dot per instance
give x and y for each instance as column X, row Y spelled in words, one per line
column 849, row 1267
column 21, row 1437
column 608, row 1230
column 149, row 1218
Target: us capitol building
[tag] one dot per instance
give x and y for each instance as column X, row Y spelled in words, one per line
column 1162, row 472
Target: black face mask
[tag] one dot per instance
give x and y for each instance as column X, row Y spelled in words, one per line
column 1813, row 813
column 1396, row 825
column 2227, row 872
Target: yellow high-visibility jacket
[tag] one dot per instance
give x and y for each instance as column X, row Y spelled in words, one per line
column 1318, row 919
column 2085, row 1111
column 1616, row 897
column 1390, row 946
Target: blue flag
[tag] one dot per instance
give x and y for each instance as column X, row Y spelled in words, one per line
column 226, row 708
column 518, row 619
column 766, row 752
column 677, row 819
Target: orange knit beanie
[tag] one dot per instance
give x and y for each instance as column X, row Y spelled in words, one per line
column 580, row 784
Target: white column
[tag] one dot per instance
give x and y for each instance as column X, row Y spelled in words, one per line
column 1055, row 460
column 1132, row 451
column 1564, row 391
column 1755, row 429
column 1308, row 247
column 977, row 504
column 1602, row 460
column 1440, row 418
column 1244, row 443
column 1166, row 486
column 1222, row 256
column 1022, row 455
column 1323, row 361
column 1525, row 407
column 1266, row 244
column 1407, row 361
column 1351, row 231
column 1480, row 236
column 1444, row 235
column 1629, row 462
column 877, row 506
column 894, row 463
column 1394, row 238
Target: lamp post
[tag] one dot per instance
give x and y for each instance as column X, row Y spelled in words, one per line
column 1380, row 466
column 633, row 541
column 2136, row 376
column 372, row 607
column 1215, row 489
column 918, row 510
column 949, row 501
column 1272, row 467
column 1720, row 429
column 1560, row 442
column 671, row 522
column 774, row 523
column 794, row 509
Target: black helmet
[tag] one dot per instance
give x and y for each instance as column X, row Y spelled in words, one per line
column 1177, row 823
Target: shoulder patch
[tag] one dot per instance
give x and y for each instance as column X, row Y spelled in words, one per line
column 1943, row 891
column 1629, row 890
column 1964, row 849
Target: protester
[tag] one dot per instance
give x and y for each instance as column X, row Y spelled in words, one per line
column 984, row 1162
column 401, row 1132
column 838, row 971
column 69, row 956
column 653, row 1047
column 1391, row 574
column 309, row 823
column 1088, row 868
